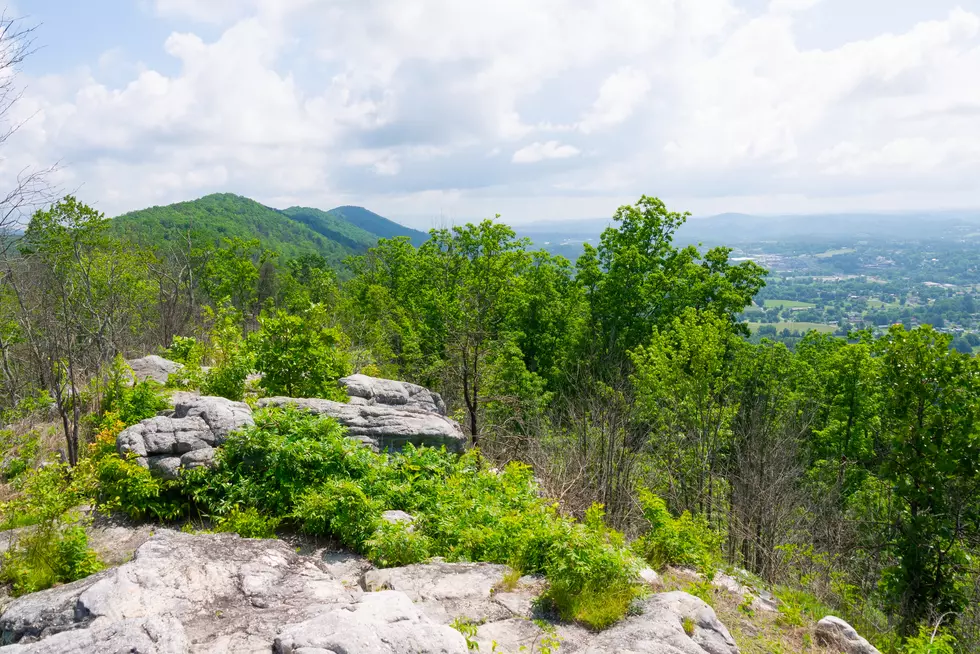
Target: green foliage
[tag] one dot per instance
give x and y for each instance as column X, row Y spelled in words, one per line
column 248, row 523
column 928, row 641
column 396, row 544
column 223, row 215
column 468, row 629
column 232, row 361
column 299, row 465
column 338, row 508
column 185, row 350
column 127, row 400
column 46, row 556
column 269, row 466
column 685, row 541
column 688, row 624
column 299, row 356
column 32, row 404
column 133, row 490
column 20, row 450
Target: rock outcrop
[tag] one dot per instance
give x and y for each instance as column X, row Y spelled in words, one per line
column 382, row 426
column 218, row 593
column 187, row 437
column 374, row 391
column 833, row 632
column 153, row 367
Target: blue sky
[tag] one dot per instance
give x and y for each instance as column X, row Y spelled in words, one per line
column 430, row 111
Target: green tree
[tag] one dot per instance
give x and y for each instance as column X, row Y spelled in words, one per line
column 298, row 356
column 81, row 295
column 930, row 418
column 686, row 390
column 637, row 280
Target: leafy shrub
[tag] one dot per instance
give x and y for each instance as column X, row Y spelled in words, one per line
column 685, row 541
column 925, row 642
column 248, row 523
column 300, row 466
column 20, row 452
column 338, row 508
column 227, row 379
column 185, row 350
column 125, row 487
column 268, row 466
column 48, row 555
column 34, row 403
column 52, row 550
column 127, row 400
column 397, row 544
column 298, row 357
column 232, row 359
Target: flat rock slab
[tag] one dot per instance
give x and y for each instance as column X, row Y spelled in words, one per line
column 383, row 427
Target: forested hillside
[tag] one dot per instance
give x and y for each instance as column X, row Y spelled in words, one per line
column 844, row 473
column 290, row 233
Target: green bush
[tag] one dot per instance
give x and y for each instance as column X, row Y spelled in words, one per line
column 925, row 642
column 299, row 357
column 338, row 508
column 248, row 523
column 685, row 541
column 270, row 465
column 125, row 487
column 127, row 400
column 396, row 544
column 20, row 450
column 52, row 549
column 301, row 467
column 48, row 555
column 185, row 350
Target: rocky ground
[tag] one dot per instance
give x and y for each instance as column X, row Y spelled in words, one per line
column 219, row 593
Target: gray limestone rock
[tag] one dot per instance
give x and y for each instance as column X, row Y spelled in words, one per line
column 217, row 586
column 187, row 437
column 447, row 591
column 385, row 622
column 153, row 367
column 374, row 391
column 659, row 629
column 833, row 632
column 383, row 427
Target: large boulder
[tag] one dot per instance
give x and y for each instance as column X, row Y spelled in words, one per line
column 383, row 427
column 187, row 437
column 374, row 391
column 833, row 632
column 660, row 629
column 153, row 367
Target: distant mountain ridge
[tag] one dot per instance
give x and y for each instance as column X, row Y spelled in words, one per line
column 334, row 234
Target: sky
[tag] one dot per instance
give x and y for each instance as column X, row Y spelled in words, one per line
column 435, row 111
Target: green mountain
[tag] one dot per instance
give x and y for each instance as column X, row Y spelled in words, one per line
column 291, row 232
column 372, row 222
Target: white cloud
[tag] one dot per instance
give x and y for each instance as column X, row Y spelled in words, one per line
column 395, row 103
column 618, row 98
column 789, row 6
column 539, row 151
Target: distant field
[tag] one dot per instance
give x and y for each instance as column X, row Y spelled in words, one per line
column 878, row 304
column 791, row 304
column 833, row 253
column 796, row 326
